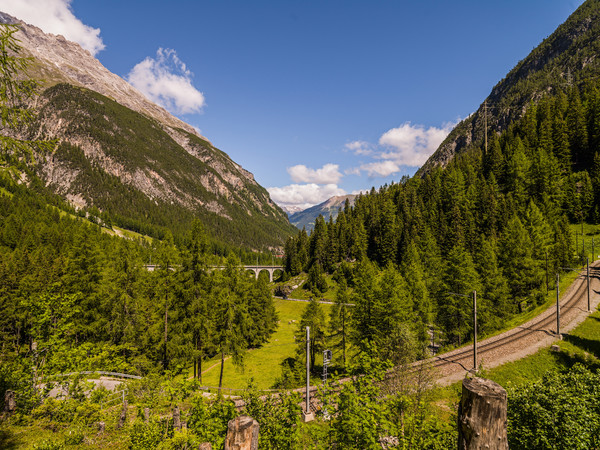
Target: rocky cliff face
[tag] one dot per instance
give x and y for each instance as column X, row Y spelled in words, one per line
column 121, row 153
column 565, row 59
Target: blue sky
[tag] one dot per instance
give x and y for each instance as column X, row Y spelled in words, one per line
column 316, row 98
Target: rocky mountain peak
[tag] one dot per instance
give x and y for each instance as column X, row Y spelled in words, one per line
column 60, row 60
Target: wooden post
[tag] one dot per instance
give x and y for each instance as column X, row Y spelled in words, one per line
column 10, row 401
column 146, row 415
column 123, row 415
column 588, row 283
column 176, row 418
column 242, row 434
column 482, row 415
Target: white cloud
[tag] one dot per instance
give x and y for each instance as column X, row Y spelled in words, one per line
column 360, row 147
column 328, row 174
column 56, row 17
column 352, row 171
column 380, row 168
column 167, row 81
column 304, row 195
column 411, row 145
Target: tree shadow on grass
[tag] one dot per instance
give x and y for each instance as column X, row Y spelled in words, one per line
column 588, row 345
column 589, row 359
column 7, row 440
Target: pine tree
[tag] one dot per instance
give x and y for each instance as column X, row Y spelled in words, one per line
column 339, row 320
column 313, row 317
column 520, row 268
column 460, row 279
column 577, row 128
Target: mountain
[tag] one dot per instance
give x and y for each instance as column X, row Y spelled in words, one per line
column 130, row 159
column 306, row 219
column 567, row 58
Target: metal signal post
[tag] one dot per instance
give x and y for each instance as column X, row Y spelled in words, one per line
column 557, row 308
column 475, row 330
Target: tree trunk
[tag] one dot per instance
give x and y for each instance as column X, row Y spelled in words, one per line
column 242, row 434
column 344, row 334
column 165, row 364
column 482, row 415
column 221, row 374
column 200, row 368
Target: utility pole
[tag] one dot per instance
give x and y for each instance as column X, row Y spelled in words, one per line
column 475, row 331
column 546, row 272
column 557, row 308
column 588, row 283
column 307, row 415
column 582, row 241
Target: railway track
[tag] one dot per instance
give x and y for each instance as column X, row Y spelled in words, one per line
column 531, row 335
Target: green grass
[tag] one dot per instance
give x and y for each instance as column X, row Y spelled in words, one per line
column 263, row 364
column 582, row 345
column 590, row 232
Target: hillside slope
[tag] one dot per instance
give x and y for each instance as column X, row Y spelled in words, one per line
column 567, row 58
column 131, row 159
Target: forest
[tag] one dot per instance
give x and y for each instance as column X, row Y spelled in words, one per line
column 495, row 221
column 76, row 296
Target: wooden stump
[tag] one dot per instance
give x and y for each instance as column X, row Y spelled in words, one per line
column 482, row 415
column 242, row 434
column 123, row 415
column 176, row 418
column 146, row 415
column 205, row 446
column 10, row 401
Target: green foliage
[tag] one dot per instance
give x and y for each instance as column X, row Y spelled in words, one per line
column 48, row 445
column 313, row 317
column 208, row 419
column 562, row 411
column 278, row 418
column 144, row 436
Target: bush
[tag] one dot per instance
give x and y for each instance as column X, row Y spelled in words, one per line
column 562, row 411
column 146, row 436
column 48, row 445
column 208, row 419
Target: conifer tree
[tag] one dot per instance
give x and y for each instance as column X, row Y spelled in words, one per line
column 520, row 268
column 460, row 279
column 339, row 320
column 313, row 317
